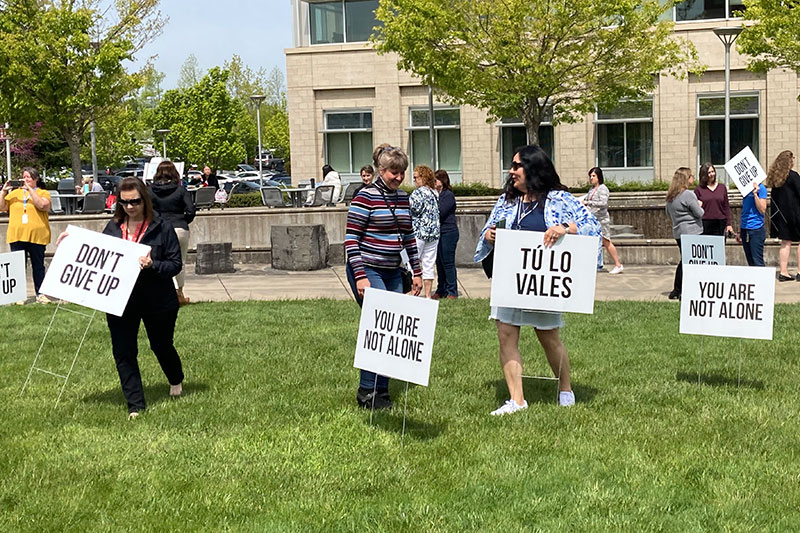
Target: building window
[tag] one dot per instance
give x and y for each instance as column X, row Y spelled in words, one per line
column 342, row 21
column 707, row 9
column 513, row 135
column 447, row 126
column 711, row 126
column 625, row 135
column 348, row 140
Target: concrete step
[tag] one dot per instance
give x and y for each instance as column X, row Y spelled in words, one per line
column 620, row 228
column 626, row 235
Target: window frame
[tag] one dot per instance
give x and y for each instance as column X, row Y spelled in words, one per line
column 345, row 40
column 436, row 128
column 624, row 122
column 350, row 131
column 718, row 94
column 674, row 17
column 516, row 122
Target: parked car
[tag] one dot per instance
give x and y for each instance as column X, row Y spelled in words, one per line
column 242, row 167
column 109, row 182
column 131, row 173
column 243, row 187
column 283, row 178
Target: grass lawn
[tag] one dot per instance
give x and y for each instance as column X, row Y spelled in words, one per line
column 267, row 436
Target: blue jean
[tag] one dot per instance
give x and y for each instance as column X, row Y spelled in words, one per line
column 385, row 279
column 447, row 284
column 753, row 244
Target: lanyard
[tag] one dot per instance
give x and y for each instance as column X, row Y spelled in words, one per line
column 518, row 219
column 25, row 201
column 396, row 222
column 138, row 234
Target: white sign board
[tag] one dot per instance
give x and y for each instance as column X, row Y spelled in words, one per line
column 728, row 301
column 527, row 275
column 744, row 169
column 12, row 277
column 151, row 167
column 94, row 270
column 395, row 335
column 702, row 249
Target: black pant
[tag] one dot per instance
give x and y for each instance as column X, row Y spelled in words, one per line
column 35, row 254
column 678, row 283
column 124, row 343
column 715, row 226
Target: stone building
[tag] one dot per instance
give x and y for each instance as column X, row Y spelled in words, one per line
column 344, row 99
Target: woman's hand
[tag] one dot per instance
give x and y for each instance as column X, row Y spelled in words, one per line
column 729, row 230
column 145, row 261
column 700, row 202
column 361, row 284
column 552, row 235
column 64, row 235
column 491, row 234
column 416, row 285
column 7, row 186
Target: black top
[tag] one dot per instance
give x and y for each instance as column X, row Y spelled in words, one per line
column 785, row 209
column 173, row 203
column 447, row 211
column 154, row 291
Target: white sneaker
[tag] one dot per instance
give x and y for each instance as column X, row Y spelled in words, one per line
column 509, row 407
column 617, row 270
column 566, row 398
column 42, row 299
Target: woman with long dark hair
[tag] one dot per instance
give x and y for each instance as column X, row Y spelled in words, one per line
column 534, row 200
column 713, row 198
column 597, row 202
column 447, row 278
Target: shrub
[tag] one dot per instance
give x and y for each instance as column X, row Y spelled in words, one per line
column 250, row 199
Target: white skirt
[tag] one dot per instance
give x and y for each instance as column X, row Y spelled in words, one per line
column 527, row 317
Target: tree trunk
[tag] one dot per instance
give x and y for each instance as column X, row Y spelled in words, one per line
column 74, row 142
column 531, row 118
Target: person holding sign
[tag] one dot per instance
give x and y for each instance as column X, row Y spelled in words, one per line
column 379, row 241
column 686, row 215
column 533, row 200
column 785, row 209
column 28, row 206
column 597, row 202
column 752, row 233
column 713, row 198
column 153, row 299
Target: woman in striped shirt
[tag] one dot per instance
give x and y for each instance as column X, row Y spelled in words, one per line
column 379, row 242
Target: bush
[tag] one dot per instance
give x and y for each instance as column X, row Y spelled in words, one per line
column 630, row 186
column 250, row 199
column 475, row 189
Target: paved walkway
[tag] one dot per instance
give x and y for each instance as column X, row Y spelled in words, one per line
column 261, row 282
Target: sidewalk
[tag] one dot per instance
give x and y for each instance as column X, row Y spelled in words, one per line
column 261, row 282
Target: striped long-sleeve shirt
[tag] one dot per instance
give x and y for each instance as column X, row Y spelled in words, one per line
column 372, row 234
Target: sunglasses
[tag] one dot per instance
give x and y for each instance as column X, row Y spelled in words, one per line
column 515, row 165
column 132, row 201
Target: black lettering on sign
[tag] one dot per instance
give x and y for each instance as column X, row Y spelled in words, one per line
column 532, row 258
column 701, row 308
column 78, row 277
column 9, row 285
column 741, row 311
column 4, row 269
column 95, row 256
column 384, row 320
column 373, row 340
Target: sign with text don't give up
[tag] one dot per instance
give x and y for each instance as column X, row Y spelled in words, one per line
column 94, row 270
column 395, row 335
column 527, row 275
column 744, row 169
column 12, row 277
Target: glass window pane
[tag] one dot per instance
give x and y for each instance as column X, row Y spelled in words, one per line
column 744, row 132
column 348, row 121
column 360, row 16
column 700, row 10
column 326, row 20
column 635, row 109
column 735, row 5
column 337, row 151
column 546, row 140
column 512, row 138
column 610, row 145
column 419, row 118
column 362, row 149
column 740, row 105
column 449, row 149
column 639, row 144
column 446, row 117
column 420, row 148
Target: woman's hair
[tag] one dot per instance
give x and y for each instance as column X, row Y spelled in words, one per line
column 377, row 151
column 426, row 176
column 392, row 158
column 368, row 169
column 779, row 169
column 133, row 184
column 444, row 178
column 702, row 176
column 680, row 182
column 599, row 172
column 34, row 175
column 166, row 173
column 540, row 174
column 325, row 170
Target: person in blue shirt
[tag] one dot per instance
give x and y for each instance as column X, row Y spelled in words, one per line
column 752, row 232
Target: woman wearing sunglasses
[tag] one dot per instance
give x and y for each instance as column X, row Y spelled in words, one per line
column 534, row 200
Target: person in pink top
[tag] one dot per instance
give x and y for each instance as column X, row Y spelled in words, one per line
column 713, row 198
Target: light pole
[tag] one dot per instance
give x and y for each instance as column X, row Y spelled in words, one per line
column 163, row 134
column 96, row 46
column 4, row 136
column 727, row 35
column 257, row 100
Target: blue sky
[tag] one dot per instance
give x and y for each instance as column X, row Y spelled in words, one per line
column 256, row 30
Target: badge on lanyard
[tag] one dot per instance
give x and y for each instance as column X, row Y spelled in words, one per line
column 24, row 218
column 25, row 208
column 404, row 257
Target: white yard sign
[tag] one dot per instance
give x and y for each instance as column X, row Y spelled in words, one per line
column 94, row 270
column 529, row 276
column 728, row 301
column 702, row 249
column 12, row 277
column 395, row 335
column 744, row 169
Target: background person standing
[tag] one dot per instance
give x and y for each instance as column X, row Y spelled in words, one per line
column 446, row 276
column 686, row 216
column 713, row 198
column 785, row 210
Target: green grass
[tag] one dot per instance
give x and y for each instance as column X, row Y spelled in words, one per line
column 267, row 436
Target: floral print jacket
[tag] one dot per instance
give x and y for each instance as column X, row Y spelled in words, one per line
column 424, row 203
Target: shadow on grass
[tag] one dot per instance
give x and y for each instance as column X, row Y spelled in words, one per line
column 718, row 380
column 153, row 394
column 541, row 391
column 392, row 421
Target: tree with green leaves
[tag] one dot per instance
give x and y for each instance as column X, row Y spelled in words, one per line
column 530, row 58
column 772, row 38
column 62, row 62
column 202, row 120
column 190, row 73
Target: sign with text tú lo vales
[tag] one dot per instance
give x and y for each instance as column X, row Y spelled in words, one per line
column 94, row 270
column 528, row 275
column 702, row 249
column 744, row 169
column 728, row 301
column 12, row 277
column 395, row 335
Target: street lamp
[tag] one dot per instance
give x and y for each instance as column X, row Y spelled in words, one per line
column 258, row 99
column 5, row 136
column 727, row 35
column 163, row 134
column 96, row 47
